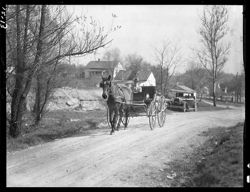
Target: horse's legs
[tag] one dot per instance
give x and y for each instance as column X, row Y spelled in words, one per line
column 111, row 120
column 126, row 116
column 120, row 116
column 116, row 116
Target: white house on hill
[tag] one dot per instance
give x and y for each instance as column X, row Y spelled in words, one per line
column 94, row 69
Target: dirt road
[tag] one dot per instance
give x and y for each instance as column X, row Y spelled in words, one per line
column 132, row 157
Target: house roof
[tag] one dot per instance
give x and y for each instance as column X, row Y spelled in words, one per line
column 130, row 75
column 101, row 64
column 124, row 75
column 143, row 75
column 183, row 89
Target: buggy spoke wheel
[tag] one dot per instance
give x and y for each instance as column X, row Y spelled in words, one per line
column 161, row 115
column 152, row 115
column 162, row 118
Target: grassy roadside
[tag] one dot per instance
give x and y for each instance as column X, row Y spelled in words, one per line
column 202, row 106
column 230, row 103
column 56, row 125
column 217, row 163
column 225, row 103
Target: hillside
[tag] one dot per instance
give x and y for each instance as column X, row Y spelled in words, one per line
column 80, row 99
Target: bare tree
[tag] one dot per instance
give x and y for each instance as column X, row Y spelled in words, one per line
column 238, row 86
column 133, row 62
column 213, row 53
column 36, row 30
column 20, row 91
column 112, row 55
column 197, row 78
column 167, row 57
column 45, row 84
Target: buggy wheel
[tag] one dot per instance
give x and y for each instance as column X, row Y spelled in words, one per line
column 161, row 115
column 152, row 115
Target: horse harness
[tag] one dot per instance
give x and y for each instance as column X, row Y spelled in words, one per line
column 122, row 98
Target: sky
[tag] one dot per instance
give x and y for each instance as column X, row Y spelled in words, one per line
column 145, row 27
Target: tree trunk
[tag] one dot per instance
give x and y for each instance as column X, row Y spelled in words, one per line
column 17, row 105
column 240, row 96
column 214, row 96
column 161, row 82
column 17, row 99
column 23, row 81
column 37, row 102
column 235, row 96
column 166, row 82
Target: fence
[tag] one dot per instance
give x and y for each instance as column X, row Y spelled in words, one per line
column 224, row 99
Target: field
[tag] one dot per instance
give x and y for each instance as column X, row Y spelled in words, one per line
column 56, row 125
column 202, row 106
column 217, row 163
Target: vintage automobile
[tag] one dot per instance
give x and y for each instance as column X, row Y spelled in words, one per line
column 182, row 98
column 183, row 103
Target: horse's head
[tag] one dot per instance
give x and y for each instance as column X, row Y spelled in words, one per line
column 106, row 86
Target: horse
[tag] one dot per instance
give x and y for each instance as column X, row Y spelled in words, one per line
column 118, row 98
